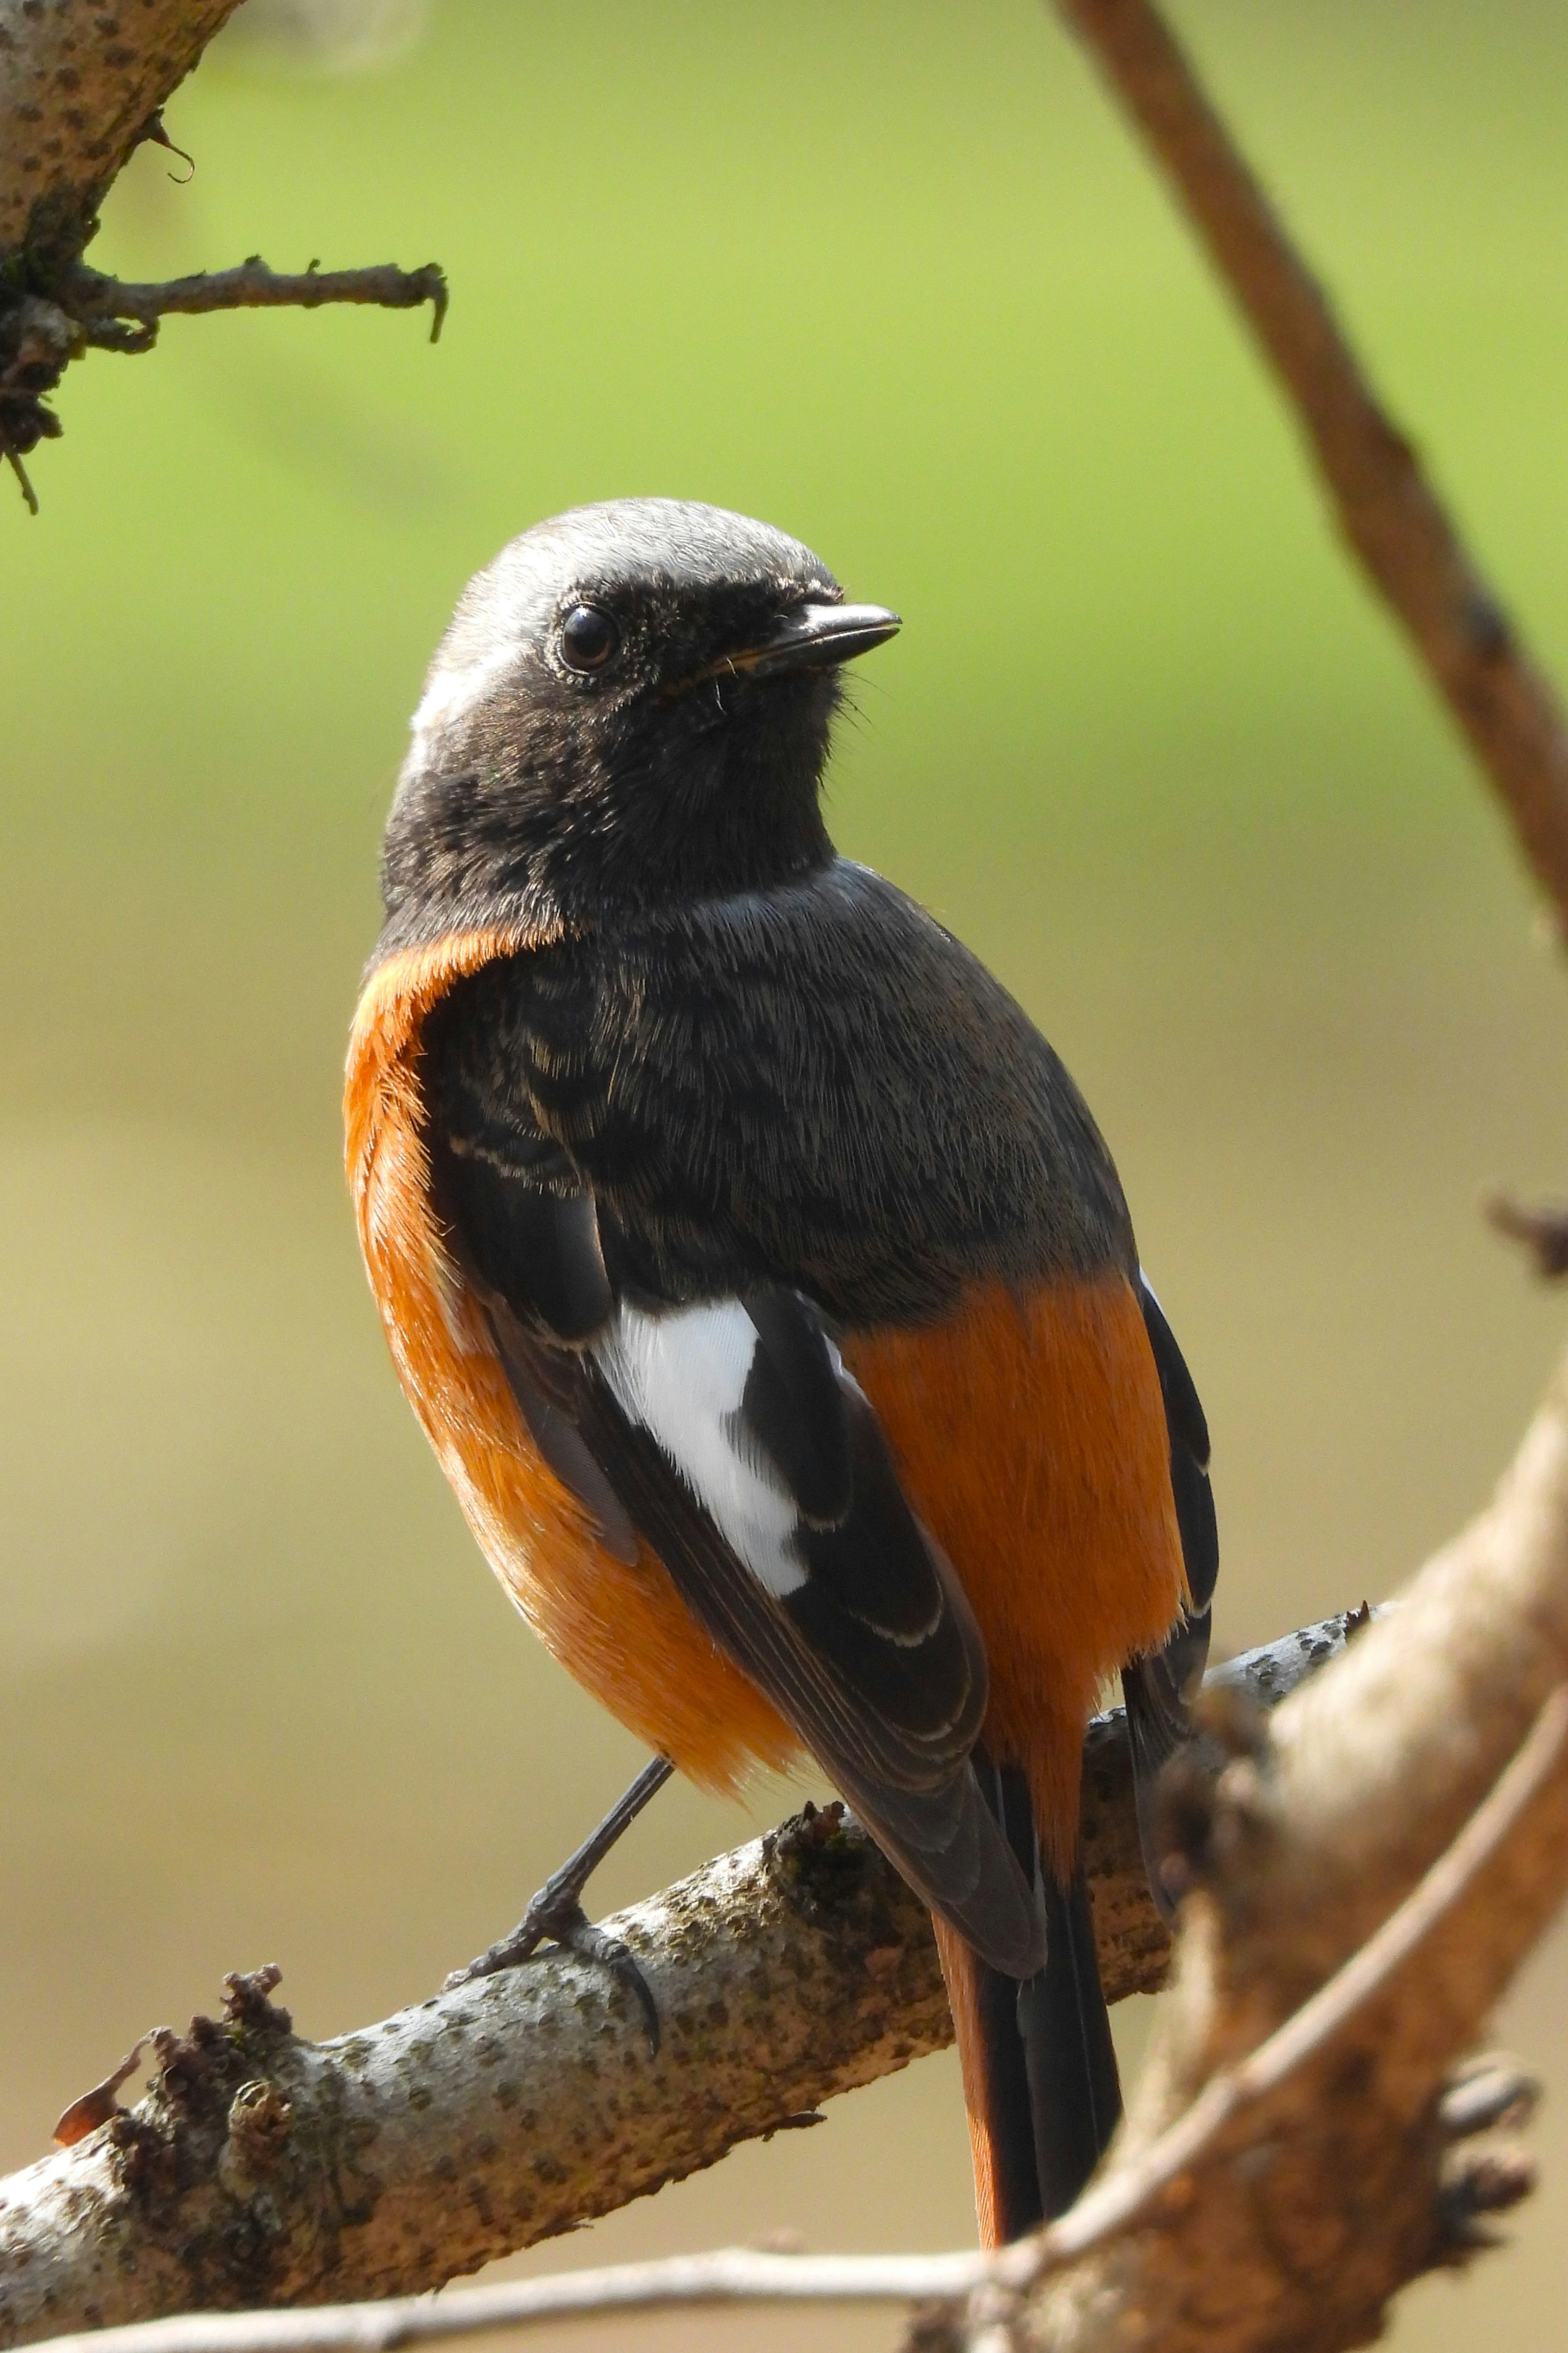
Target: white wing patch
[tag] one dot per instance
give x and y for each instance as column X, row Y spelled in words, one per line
column 682, row 1376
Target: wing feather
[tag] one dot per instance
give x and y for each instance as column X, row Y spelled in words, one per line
column 1159, row 1689
column 728, row 1435
column 917, row 1796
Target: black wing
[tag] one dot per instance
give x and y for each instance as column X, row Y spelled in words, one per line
column 727, row 1433
column 1159, row 1689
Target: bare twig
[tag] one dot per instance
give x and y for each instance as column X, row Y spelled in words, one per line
column 725, row 2276
column 260, row 2169
column 740, row 2274
column 100, row 302
column 1385, row 506
column 24, row 480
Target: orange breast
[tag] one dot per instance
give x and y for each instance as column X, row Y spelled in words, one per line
column 623, row 1632
column 1029, row 1434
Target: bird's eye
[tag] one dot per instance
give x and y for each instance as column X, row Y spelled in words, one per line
column 588, row 638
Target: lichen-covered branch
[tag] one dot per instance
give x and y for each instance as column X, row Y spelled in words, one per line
column 1385, row 506
column 261, row 2169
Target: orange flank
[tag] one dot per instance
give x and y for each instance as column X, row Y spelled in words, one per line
column 623, row 1632
column 1028, row 1432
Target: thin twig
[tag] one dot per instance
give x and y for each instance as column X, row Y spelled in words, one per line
column 1386, row 508
column 742, row 2274
column 13, row 459
column 725, row 2276
column 99, row 302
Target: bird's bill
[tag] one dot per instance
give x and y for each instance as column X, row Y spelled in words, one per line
column 815, row 637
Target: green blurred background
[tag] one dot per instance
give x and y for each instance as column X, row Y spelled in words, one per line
column 895, row 277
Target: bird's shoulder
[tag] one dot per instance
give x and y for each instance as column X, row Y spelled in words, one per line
column 792, row 1072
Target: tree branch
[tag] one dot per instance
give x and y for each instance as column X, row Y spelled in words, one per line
column 99, row 303
column 260, row 2169
column 1296, row 2224
column 1385, row 506
column 675, row 2282
column 82, row 83
column 1106, row 2211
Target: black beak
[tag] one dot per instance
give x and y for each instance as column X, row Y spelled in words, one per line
column 817, row 636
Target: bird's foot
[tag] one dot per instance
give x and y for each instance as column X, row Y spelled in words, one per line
column 555, row 1915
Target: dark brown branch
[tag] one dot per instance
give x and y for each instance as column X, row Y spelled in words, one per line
column 101, row 303
column 1386, row 508
column 264, row 2169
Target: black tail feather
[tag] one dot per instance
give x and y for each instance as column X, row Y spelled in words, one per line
column 1052, row 2096
column 1075, row 2091
column 1008, row 2109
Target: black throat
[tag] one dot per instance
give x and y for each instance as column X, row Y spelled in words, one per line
column 562, row 819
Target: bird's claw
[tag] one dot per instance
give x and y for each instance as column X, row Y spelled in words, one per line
column 556, row 1916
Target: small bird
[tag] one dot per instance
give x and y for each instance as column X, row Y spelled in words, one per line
column 761, row 1280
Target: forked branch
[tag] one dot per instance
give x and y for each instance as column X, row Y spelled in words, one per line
column 977, row 2288
column 261, row 2169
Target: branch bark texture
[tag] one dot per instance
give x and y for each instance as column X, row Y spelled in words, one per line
column 79, row 81
column 1386, row 509
column 261, row 2169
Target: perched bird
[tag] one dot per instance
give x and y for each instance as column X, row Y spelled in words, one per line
column 760, row 1276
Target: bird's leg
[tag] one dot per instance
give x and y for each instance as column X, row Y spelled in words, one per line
column 556, row 1914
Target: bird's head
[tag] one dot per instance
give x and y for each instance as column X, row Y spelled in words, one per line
column 630, row 707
